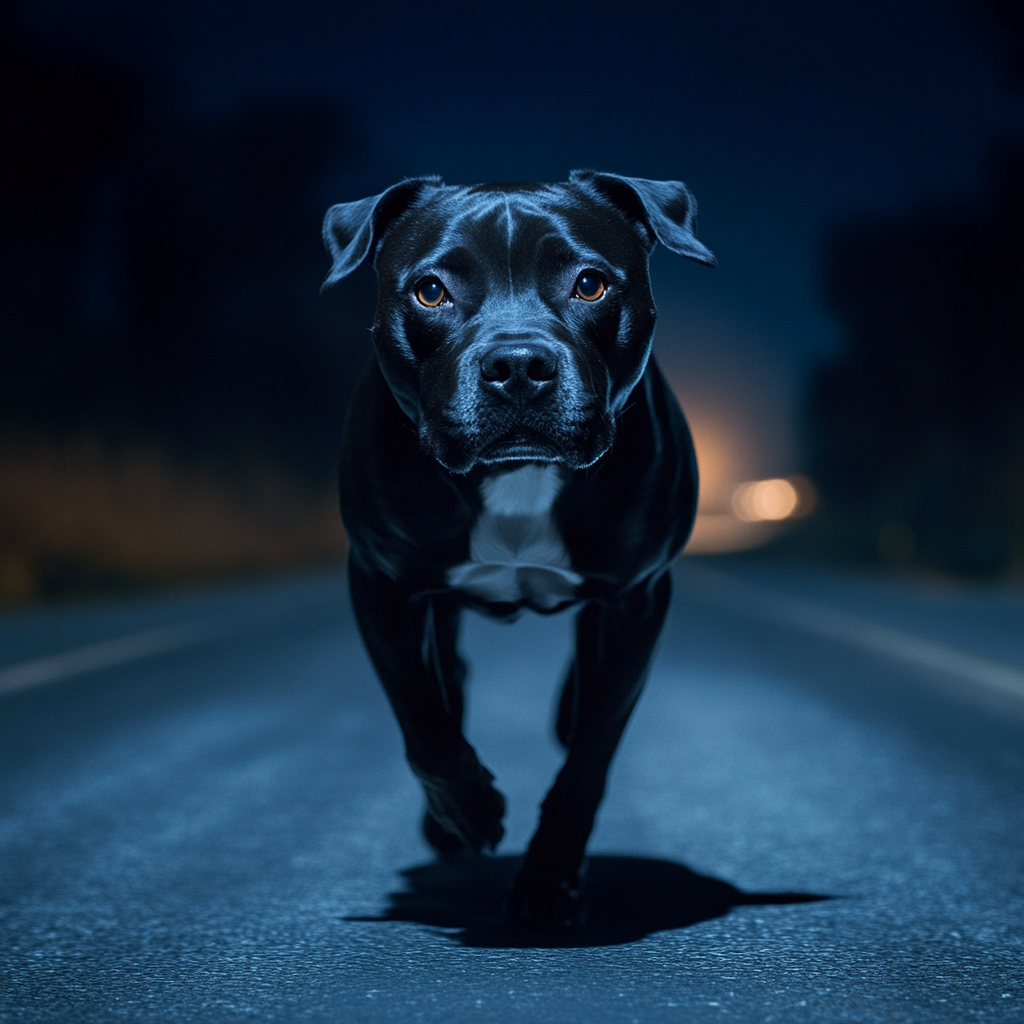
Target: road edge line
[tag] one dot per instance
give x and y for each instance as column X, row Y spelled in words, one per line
column 104, row 654
column 720, row 590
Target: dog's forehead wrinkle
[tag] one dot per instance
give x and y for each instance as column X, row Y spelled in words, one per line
column 511, row 237
column 565, row 246
column 448, row 244
column 478, row 241
column 508, row 226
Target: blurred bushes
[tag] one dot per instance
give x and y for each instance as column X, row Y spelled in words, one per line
column 918, row 432
column 78, row 518
column 159, row 293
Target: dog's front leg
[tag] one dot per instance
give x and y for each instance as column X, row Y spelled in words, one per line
column 614, row 643
column 411, row 641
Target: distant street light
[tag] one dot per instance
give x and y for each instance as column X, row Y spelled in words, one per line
column 759, row 500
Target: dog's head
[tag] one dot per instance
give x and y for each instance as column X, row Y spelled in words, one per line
column 513, row 321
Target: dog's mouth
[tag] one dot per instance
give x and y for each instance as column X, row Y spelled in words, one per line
column 566, row 443
column 522, row 445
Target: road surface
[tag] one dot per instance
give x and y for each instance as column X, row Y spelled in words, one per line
column 817, row 814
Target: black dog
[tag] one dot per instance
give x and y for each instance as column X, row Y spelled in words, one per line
column 514, row 446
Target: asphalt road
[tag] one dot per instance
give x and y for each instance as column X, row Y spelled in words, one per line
column 817, row 814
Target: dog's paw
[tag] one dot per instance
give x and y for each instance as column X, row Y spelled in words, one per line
column 443, row 842
column 463, row 804
column 547, row 903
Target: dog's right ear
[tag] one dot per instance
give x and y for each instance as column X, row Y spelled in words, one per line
column 666, row 210
column 351, row 229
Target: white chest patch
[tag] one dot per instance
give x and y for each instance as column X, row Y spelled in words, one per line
column 515, row 552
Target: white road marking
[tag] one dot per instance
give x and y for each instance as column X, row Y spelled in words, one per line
column 719, row 590
column 105, row 654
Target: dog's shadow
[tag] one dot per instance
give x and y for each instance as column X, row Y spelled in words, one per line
column 628, row 898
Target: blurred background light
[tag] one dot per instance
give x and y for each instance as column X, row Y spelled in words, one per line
column 759, row 500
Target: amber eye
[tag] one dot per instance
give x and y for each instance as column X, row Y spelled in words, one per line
column 431, row 292
column 589, row 286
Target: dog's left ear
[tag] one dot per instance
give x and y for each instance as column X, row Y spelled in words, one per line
column 666, row 209
column 351, row 229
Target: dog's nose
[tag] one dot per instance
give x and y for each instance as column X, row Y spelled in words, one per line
column 522, row 366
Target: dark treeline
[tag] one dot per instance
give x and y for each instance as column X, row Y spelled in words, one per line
column 917, row 433
column 159, row 276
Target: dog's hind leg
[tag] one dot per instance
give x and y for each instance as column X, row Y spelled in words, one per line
column 614, row 643
column 412, row 644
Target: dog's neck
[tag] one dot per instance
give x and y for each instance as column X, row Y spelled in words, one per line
column 529, row 490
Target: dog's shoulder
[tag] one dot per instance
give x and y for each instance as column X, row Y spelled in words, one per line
column 628, row 516
column 407, row 516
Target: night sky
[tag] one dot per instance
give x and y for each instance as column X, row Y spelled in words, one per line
column 784, row 119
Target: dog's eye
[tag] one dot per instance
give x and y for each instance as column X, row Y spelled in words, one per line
column 589, row 286
column 431, row 292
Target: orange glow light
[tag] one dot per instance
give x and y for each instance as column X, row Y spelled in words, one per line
column 761, row 500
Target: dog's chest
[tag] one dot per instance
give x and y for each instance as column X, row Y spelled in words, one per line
column 515, row 552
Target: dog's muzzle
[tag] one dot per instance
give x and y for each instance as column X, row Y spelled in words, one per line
column 515, row 400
